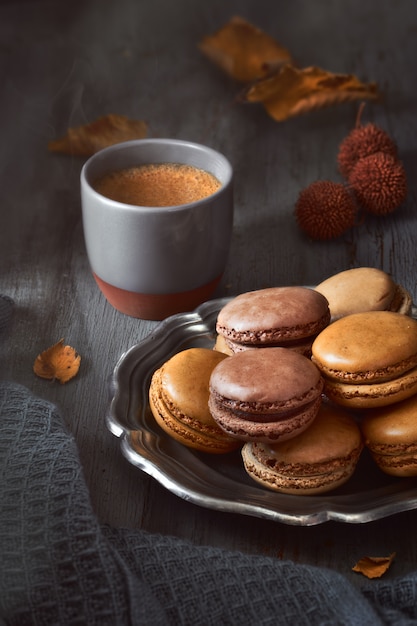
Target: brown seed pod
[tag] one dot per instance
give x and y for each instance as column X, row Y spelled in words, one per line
column 379, row 183
column 325, row 210
column 361, row 142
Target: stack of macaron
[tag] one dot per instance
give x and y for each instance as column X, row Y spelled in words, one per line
column 368, row 360
column 292, row 373
column 271, row 399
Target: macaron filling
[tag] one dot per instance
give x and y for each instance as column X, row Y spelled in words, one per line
column 273, row 336
column 268, row 411
column 279, row 429
column 303, row 345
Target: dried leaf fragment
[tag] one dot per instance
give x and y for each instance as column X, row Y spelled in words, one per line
column 243, row 51
column 59, row 362
column 373, row 566
column 292, row 91
column 105, row 131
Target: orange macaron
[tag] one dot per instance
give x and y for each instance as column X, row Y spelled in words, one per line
column 320, row 459
column 178, row 398
column 362, row 289
column 390, row 434
column 368, row 359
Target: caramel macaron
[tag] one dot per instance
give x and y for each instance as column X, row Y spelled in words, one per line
column 390, row 434
column 320, row 459
column 268, row 394
column 178, row 398
column 368, row 359
column 364, row 289
column 289, row 317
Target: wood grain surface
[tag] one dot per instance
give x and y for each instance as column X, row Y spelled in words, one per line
column 63, row 64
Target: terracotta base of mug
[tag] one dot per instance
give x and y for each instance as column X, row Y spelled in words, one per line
column 155, row 306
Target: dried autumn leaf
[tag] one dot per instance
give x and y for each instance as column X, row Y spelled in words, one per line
column 374, row 566
column 243, row 51
column 57, row 362
column 292, row 91
column 105, row 131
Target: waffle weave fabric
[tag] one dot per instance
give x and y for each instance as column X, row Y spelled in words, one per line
column 59, row 566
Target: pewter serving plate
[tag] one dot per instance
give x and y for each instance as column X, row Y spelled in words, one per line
column 219, row 481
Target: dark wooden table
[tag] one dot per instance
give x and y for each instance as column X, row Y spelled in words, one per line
column 64, row 64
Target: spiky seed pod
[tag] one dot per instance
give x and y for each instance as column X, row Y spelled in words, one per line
column 325, row 210
column 379, row 183
column 361, row 142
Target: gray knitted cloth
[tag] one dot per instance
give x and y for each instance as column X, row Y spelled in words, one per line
column 59, row 566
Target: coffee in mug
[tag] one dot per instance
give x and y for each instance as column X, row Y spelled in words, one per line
column 158, row 184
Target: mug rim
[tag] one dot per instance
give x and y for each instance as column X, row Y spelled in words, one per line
column 120, row 146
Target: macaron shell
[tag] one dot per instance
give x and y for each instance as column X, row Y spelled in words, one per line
column 366, row 347
column 273, row 315
column 178, row 399
column 375, row 395
column 358, row 290
column 266, row 380
column 184, row 382
column 391, row 436
column 321, row 458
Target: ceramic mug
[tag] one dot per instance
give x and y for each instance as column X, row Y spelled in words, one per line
column 154, row 261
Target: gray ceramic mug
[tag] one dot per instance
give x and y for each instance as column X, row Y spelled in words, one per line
column 152, row 262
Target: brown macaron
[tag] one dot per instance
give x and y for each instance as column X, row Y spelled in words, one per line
column 320, row 459
column 368, row 359
column 289, row 317
column 178, row 398
column 390, row 434
column 364, row 289
column 268, row 394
